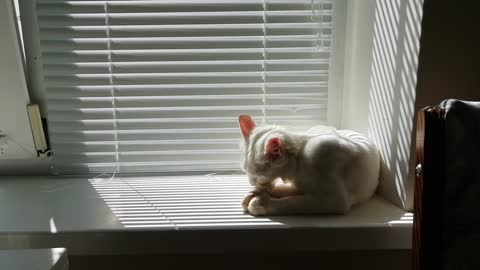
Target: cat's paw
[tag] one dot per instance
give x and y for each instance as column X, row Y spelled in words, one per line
column 247, row 199
column 258, row 205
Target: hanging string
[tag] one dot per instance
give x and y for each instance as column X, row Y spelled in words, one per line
column 112, row 94
column 264, row 64
column 319, row 44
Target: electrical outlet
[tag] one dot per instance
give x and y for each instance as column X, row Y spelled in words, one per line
column 3, row 147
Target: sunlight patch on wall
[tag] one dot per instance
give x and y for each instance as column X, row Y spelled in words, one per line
column 395, row 59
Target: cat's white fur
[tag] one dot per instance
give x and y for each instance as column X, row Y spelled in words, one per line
column 323, row 170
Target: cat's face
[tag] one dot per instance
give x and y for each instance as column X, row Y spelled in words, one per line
column 264, row 154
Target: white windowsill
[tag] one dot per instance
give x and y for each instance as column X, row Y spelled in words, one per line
column 43, row 212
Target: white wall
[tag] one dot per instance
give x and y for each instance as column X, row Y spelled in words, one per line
column 13, row 90
column 381, row 58
column 397, row 28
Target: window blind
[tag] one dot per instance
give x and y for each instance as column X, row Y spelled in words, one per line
column 156, row 86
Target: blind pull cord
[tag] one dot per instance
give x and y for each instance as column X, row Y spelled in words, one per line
column 264, row 64
column 112, row 93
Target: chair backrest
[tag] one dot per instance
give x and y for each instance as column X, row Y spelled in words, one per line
column 429, row 180
column 446, row 232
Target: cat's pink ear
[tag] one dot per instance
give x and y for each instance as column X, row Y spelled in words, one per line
column 246, row 125
column 274, row 148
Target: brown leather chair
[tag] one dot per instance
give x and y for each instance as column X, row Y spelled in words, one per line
column 446, row 230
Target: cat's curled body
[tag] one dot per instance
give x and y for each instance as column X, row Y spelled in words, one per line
column 323, row 170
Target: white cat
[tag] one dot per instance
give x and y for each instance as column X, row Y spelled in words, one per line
column 322, row 171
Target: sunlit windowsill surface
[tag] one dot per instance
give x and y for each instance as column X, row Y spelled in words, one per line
column 177, row 214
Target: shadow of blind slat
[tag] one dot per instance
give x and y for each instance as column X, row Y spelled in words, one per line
column 135, row 208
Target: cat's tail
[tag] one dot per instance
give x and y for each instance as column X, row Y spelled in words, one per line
column 387, row 187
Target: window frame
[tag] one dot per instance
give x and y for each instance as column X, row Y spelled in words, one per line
column 341, row 85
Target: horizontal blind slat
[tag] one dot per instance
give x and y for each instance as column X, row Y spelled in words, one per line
column 188, row 3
